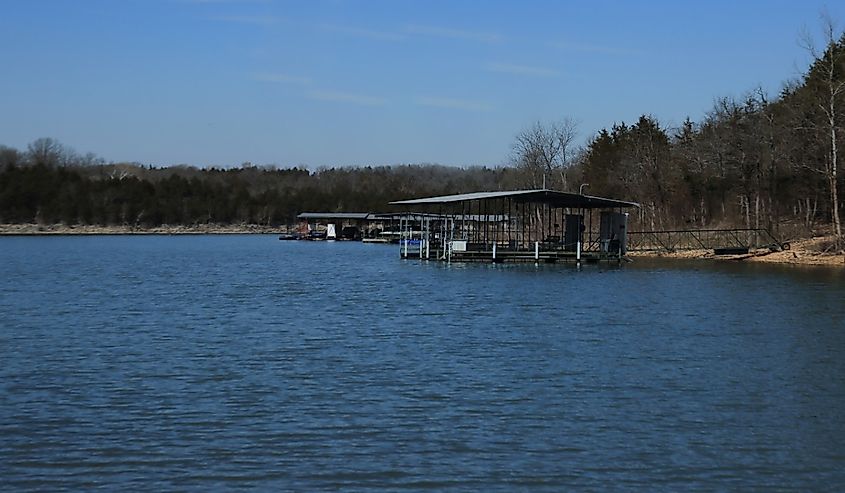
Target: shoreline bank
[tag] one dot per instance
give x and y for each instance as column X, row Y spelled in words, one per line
column 61, row 229
column 801, row 253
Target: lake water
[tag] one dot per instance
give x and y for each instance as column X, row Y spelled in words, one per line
column 226, row 362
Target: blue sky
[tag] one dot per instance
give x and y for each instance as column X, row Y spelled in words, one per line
column 336, row 83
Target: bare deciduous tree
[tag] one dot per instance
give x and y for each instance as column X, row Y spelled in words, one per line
column 826, row 83
column 543, row 153
column 46, row 151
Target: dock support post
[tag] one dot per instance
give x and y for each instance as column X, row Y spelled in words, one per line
column 451, row 230
column 536, row 250
column 426, row 236
column 578, row 250
column 403, row 246
column 443, row 238
column 494, row 251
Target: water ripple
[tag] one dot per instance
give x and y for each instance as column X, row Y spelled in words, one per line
column 233, row 362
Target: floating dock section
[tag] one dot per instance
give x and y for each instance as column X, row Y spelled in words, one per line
column 514, row 226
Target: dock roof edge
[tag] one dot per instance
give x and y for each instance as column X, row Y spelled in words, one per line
column 334, row 215
column 553, row 197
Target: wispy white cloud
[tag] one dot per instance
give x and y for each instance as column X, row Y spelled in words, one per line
column 282, row 78
column 263, row 20
column 593, row 48
column 455, row 104
column 508, row 68
column 363, row 33
column 442, row 32
column 345, row 97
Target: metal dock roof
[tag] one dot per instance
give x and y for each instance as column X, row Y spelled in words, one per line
column 552, row 197
column 334, row 215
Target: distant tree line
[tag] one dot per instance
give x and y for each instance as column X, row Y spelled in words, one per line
column 55, row 187
column 753, row 161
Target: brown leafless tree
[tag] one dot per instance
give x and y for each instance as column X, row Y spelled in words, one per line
column 826, row 83
column 543, row 153
column 45, row 151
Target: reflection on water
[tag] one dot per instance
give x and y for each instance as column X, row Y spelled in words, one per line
column 235, row 361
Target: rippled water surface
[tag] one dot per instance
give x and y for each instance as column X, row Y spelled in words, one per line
column 226, row 362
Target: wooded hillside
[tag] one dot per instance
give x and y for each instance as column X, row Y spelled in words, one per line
column 755, row 161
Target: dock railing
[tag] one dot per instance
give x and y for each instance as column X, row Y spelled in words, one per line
column 703, row 239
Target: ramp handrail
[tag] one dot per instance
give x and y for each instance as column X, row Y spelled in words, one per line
column 703, row 239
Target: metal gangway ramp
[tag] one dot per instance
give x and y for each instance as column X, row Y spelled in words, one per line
column 703, row 239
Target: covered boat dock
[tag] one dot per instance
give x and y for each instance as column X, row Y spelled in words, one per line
column 348, row 225
column 515, row 226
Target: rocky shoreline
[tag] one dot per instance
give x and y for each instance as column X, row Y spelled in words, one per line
column 61, row 229
column 801, row 252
